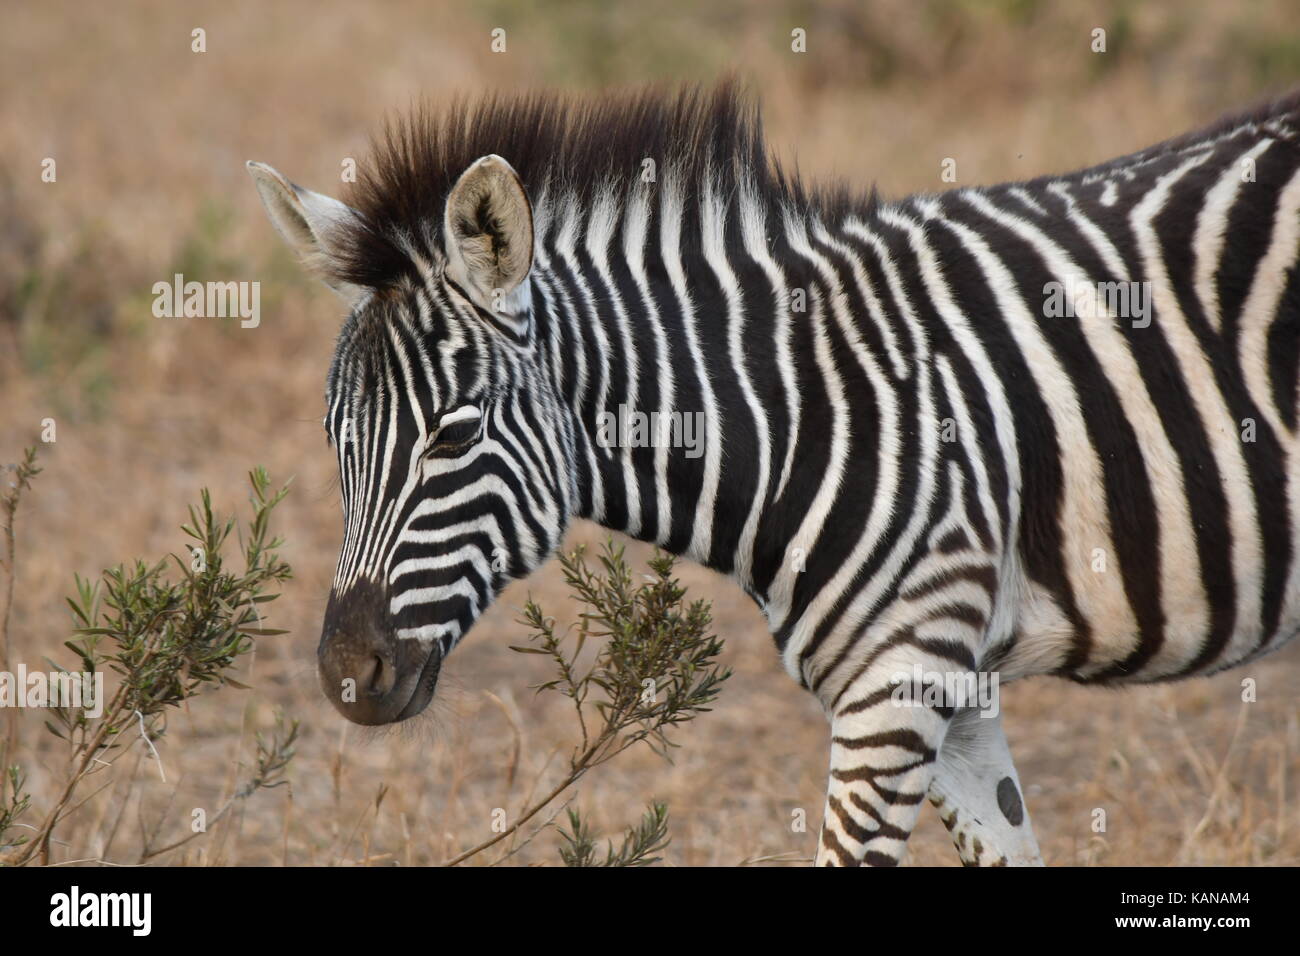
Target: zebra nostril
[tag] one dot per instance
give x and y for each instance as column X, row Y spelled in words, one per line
column 378, row 676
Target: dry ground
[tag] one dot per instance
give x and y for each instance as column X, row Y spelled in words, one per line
column 150, row 140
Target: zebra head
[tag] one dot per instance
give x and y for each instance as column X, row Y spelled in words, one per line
column 451, row 442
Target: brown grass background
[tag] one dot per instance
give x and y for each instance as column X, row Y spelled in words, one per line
column 150, row 141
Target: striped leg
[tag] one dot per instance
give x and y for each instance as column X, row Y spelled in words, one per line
column 882, row 763
column 978, row 795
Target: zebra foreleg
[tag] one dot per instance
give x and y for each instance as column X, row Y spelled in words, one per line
column 882, row 762
column 977, row 793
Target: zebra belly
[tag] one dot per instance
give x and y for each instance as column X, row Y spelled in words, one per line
column 1045, row 638
column 1089, row 632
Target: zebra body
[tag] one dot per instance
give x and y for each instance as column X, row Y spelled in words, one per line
column 910, row 461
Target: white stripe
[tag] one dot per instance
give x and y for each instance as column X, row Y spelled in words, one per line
column 635, row 226
column 1211, row 228
column 601, row 224
column 671, row 215
column 1259, row 310
column 753, row 231
column 713, row 226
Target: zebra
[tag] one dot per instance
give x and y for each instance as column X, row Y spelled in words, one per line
column 913, row 462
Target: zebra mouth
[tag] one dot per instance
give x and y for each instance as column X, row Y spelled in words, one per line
column 424, row 687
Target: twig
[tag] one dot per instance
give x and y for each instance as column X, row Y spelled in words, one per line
column 550, row 821
column 144, row 735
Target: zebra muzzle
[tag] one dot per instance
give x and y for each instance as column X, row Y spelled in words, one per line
column 370, row 675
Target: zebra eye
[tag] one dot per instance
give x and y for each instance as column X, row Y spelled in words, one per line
column 455, row 436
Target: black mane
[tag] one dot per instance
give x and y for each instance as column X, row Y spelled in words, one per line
column 573, row 145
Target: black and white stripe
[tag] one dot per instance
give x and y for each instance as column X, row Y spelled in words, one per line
column 921, row 466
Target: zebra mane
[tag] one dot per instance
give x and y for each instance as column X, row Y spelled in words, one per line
column 569, row 148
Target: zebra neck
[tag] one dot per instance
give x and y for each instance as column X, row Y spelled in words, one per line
column 694, row 379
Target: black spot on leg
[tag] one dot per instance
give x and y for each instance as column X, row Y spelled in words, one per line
column 1009, row 802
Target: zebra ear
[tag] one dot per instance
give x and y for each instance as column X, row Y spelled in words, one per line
column 488, row 233
column 309, row 222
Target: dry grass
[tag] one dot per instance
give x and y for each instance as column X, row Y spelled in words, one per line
column 150, row 140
